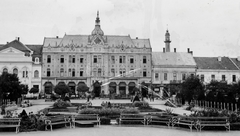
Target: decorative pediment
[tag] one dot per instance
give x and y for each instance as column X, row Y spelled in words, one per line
column 11, row 50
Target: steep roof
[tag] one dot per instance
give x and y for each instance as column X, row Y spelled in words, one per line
column 173, row 59
column 37, row 49
column 112, row 40
column 17, row 45
column 213, row 63
column 236, row 61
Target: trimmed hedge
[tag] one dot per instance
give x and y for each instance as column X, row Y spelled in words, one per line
column 109, row 111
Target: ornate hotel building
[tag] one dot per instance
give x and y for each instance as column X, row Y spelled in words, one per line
column 97, row 60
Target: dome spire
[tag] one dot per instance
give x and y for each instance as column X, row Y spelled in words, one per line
column 97, row 30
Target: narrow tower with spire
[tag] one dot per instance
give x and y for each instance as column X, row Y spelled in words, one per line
column 167, row 41
column 97, row 30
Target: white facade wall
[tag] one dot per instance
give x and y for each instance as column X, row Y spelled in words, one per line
column 218, row 75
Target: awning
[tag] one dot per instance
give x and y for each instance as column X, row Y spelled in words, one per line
column 80, row 83
column 131, row 84
column 61, row 83
column 112, row 84
column 48, row 84
column 122, row 84
column 71, row 84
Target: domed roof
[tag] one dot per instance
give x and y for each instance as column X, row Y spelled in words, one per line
column 97, row 30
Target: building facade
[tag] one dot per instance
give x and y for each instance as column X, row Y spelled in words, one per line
column 97, row 60
column 23, row 60
column 217, row 68
column 171, row 67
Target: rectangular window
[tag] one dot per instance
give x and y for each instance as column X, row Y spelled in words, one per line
column 23, row 74
column 213, row 77
column 48, row 73
column 124, row 59
column 69, row 72
column 156, row 76
column 112, row 59
column 70, row 59
column 99, row 58
column 81, row 73
column 48, row 59
column 144, row 73
column 165, row 76
column 223, row 78
column 144, row 59
column 62, row 59
column 120, row 59
column 73, row 59
column 112, row 72
column 234, row 78
column 26, row 74
column 81, row 59
column 131, row 60
column 174, row 76
column 94, row 59
column 183, row 76
column 202, row 78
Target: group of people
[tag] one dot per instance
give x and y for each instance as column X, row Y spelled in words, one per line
column 106, row 104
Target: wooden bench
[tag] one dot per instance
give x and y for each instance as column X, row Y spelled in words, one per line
column 160, row 118
column 56, row 120
column 213, row 122
column 86, row 119
column 131, row 118
column 10, row 123
column 185, row 120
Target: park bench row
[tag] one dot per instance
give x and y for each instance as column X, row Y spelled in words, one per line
column 192, row 122
column 71, row 121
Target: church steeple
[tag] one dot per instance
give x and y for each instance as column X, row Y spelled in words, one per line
column 97, row 30
column 167, row 41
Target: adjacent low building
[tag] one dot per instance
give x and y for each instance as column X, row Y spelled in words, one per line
column 217, row 68
column 23, row 60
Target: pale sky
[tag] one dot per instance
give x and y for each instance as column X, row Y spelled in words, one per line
column 207, row 27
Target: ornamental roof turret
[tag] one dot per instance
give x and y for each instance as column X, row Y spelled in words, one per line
column 97, row 30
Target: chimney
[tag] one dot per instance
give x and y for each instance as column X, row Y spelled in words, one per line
column 238, row 58
column 18, row 38
column 175, row 50
column 136, row 37
column 188, row 50
column 163, row 50
column 219, row 58
column 191, row 52
column 57, row 37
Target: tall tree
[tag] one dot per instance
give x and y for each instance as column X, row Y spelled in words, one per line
column 192, row 88
column 61, row 90
column 10, row 87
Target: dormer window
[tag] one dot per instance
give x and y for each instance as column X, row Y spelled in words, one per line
column 36, row 60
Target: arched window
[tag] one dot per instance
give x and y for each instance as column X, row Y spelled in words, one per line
column 15, row 71
column 61, row 72
column 95, row 72
column 48, row 58
column 36, row 60
column 69, row 72
column 5, row 70
column 36, row 74
column 112, row 72
column 24, row 72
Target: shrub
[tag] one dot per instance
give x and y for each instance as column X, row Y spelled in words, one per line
column 141, row 104
column 61, row 104
column 108, row 111
column 105, row 121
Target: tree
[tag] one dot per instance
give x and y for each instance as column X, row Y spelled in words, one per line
column 136, row 90
column 61, row 90
column 10, row 87
column 82, row 88
column 34, row 90
column 192, row 88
